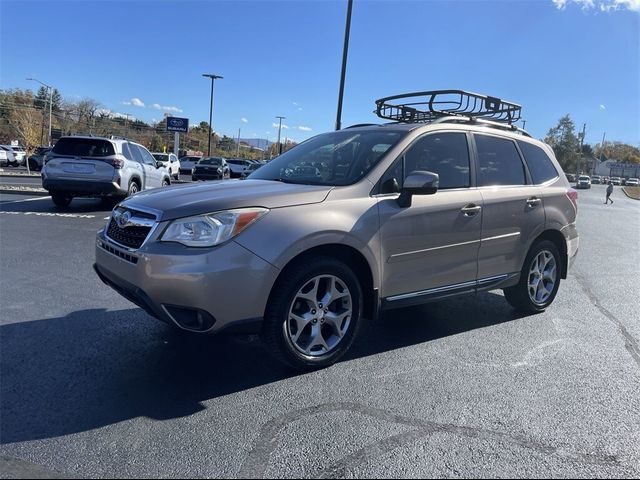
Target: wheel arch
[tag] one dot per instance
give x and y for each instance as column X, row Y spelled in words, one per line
column 351, row 257
column 560, row 242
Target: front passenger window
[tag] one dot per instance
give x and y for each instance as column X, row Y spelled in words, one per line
column 446, row 154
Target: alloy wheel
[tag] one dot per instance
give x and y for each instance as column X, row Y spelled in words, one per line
column 319, row 316
column 542, row 277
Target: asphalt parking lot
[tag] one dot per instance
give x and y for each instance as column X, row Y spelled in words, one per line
column 91, row 386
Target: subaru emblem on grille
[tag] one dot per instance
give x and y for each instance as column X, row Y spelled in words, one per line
column 123, row 219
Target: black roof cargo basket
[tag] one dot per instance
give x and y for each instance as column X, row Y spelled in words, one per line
column 432, row 105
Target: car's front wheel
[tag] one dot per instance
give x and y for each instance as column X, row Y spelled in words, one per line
column 313, row 314
column 539, row 279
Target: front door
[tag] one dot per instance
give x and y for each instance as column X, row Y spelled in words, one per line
column 431, row 247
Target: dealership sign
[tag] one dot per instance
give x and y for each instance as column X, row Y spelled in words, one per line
column 175, row 124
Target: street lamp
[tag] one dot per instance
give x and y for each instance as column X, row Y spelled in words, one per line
column 345, row 51
column 213, row 79
column 50, row 89
column 279, row 129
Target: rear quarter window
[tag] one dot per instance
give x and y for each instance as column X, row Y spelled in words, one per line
column 540, row 165
column 84, row 147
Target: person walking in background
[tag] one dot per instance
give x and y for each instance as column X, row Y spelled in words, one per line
column 609, row 192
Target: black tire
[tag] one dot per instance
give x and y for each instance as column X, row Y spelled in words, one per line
column 275, row 331
column 176, row 176
column 194, row 178
column 133, row 188
column 33, row 165
column 166, row 182
column 61, row 200
column 518, row 296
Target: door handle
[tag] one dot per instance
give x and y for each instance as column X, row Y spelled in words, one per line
column 533, row 202
column 471, row 210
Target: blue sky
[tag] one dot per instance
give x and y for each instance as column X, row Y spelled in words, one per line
column 283, row 58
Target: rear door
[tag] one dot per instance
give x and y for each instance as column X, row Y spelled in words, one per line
column 79, row 158
column 153, row 175
column 513, row 212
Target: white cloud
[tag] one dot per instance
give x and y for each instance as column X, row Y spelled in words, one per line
column 296, row 104
column 125, row 103
column 299, row 109
column 602, row 5
column 136, row 102
column 284, row 127
column 244, row 120
column 166, row 108
column 305, row 129
column 602, row 107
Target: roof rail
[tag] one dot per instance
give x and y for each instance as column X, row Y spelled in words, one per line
column 434, row 104
column 361, row 125
column 482, row 121
column 118, row 137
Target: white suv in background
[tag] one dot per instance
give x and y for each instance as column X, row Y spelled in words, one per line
column 170, row 162
column 82, row 166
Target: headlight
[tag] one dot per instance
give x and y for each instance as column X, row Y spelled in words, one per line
column 213, row 228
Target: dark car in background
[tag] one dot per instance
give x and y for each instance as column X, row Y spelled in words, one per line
column 211, row 168
column 570, row 177
column 187, row 163
column 36, row 161
column 237, row 166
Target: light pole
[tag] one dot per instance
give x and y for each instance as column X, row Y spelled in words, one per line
column 50, row 89
column 343, row 73
column 279, row 129
column 213, row 79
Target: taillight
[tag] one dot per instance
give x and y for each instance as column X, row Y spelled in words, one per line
column 573, row 196
column 116, row 162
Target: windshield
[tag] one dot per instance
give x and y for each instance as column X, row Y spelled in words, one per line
column 336, row 158
column 84, row 147
column 161, row 157
column 210, row 161
column 584, row 178
column 190, row 159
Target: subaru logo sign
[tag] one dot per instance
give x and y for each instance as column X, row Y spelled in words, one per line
column 122, row 219
column 175, row 124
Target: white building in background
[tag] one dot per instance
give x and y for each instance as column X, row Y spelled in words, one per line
column 613, row 168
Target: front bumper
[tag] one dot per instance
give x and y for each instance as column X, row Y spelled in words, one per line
column 207, row 176
column 227, row 287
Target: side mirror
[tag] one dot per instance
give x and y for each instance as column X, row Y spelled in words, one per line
column 418, row 183
column 159, row 165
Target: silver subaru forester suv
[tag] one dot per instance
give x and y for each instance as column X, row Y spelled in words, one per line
column 108, row 167
column 345, row 225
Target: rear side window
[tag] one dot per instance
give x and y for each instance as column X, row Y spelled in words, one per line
column 135, row 151
column 540, row 165
column 84, row 147
column 499, row 162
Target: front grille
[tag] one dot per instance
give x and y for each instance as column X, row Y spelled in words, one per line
column 118, row 253
column 131, row 236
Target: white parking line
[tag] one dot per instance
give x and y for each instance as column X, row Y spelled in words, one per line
column 25, row 200
column 49, row 214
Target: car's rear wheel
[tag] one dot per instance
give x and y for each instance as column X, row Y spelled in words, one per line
column 133, row 188
column 33, row 165
column 165, row 183
column 61, row 200
column 313, row 314
column 539, row 279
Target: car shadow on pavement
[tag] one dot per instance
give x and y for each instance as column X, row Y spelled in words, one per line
column 94, row 368
column 45, row 205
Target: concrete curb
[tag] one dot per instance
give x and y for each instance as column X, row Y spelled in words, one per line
column 38, row 192
column 624, row 190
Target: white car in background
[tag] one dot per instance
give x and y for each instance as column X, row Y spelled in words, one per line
column 632, row 182
column 170, row 162
column 18, row 153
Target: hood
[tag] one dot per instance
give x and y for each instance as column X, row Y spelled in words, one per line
column 195, row 199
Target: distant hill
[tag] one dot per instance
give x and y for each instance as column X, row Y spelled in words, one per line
column 257, row 142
